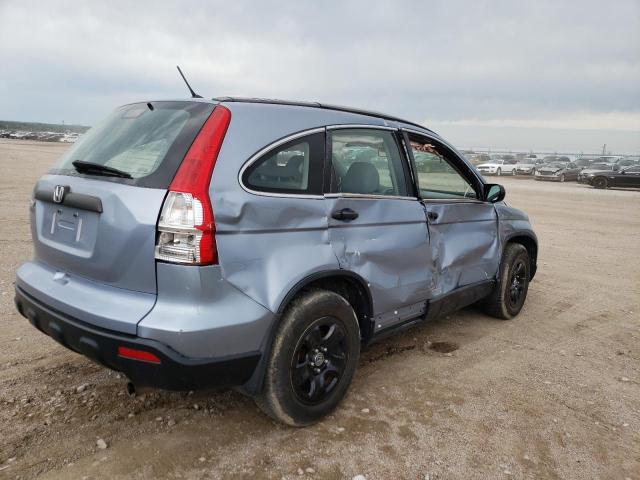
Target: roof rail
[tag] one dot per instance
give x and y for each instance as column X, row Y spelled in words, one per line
column 321, row 105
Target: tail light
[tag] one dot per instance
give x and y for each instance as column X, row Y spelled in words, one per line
column 186, row 229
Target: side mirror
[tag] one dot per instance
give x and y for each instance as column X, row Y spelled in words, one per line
column 493, row 192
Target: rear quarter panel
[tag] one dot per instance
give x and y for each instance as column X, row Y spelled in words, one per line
column 268, row 244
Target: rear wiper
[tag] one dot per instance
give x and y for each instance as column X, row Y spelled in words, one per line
column 97, row 169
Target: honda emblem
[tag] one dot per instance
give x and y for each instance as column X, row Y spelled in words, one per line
column 58, row 193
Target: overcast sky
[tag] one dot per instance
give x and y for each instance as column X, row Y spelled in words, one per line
column 466, row 68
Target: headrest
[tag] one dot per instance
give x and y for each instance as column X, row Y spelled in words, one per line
column 362, row 177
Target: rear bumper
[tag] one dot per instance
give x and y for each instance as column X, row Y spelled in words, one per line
column 174, row 372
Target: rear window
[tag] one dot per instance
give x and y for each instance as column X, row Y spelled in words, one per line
column 146, row 140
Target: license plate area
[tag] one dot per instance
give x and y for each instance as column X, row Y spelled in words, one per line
column 69, row 229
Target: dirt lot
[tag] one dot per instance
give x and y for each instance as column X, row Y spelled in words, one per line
column 554, row 393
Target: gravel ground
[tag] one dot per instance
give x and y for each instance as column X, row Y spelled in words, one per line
column 554, row 393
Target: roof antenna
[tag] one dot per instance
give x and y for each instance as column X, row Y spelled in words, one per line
column 193, row 94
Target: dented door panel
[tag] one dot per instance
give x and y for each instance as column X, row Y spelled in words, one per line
column 465, row 246
column 388, row 246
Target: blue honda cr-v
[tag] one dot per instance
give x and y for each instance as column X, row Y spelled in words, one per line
column 260, row 244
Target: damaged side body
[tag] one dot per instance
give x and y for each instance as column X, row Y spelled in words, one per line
column 417, row 250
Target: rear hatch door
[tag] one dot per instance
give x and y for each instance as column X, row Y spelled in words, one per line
column 100, row 225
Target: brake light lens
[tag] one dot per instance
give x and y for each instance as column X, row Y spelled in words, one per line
column 186, row 229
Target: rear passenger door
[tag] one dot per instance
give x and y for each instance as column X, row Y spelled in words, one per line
column 377, row 225
column 463, row 229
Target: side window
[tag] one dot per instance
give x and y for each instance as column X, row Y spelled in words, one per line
column 368, row 162
column 294, row 167
column 437, row 178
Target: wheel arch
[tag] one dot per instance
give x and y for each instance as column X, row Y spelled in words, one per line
column 345, row 283
column 348, row 284
column 529, row 242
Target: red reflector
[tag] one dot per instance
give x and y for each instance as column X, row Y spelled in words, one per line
column 134, row 354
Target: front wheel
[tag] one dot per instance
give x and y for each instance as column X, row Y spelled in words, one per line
column 600, row 182
column 499, row 172
column 507, row 299
column 313, row 359
column 562, row 178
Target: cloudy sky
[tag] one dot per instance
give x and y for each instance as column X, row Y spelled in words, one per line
column 554, row 75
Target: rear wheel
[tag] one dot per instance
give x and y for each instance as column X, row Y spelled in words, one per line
column 313, row 359
column 508, row 297
column 599, row 182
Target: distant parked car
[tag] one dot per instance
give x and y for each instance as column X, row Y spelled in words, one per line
column 586, row 174
column 528, row 166
column 583, row 162
column 478, row 158
column 557, row 172
column 625, row 177
column 556, row 158
column 498, row 165
column 626, row 162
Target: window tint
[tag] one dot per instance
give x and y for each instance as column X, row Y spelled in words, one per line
column 436, row 176
column 295, row 167
column 366, row 162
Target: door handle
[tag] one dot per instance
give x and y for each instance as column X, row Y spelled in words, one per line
column 432, row 216
column 345, row 215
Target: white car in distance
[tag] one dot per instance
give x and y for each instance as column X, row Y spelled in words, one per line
column 500, row 164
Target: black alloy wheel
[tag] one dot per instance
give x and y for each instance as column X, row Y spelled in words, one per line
column 517, row 282
column 600, row 182
column 312, row 360
column 319, row 361
column 510, row 292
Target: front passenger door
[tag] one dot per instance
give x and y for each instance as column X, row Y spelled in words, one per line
column 463, row 229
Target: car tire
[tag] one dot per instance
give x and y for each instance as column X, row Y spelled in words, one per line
column 533, row 171
column 499, row 171
column 599, row 182
column 313, row 359
column 562, row 178
column 510, row 293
